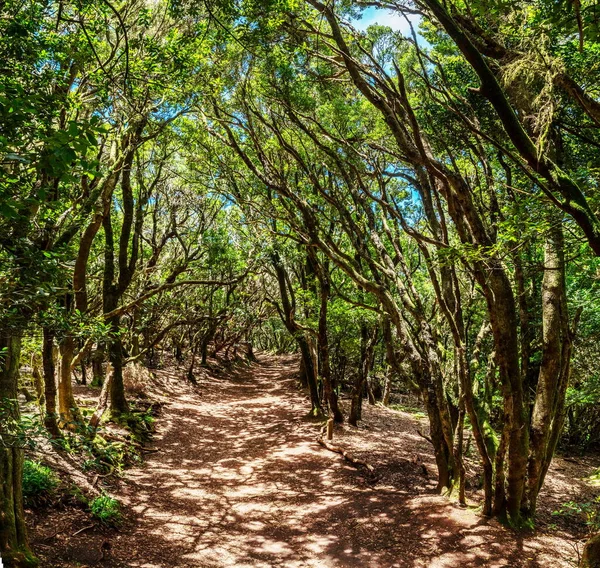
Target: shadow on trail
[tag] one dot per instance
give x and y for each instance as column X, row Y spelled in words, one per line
column 240, row 481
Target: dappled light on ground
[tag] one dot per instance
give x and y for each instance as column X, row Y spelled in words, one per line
column 240, row 481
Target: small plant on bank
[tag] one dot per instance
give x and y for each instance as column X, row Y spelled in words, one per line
column 107, row 510
column 39, row 482
column 588, row 512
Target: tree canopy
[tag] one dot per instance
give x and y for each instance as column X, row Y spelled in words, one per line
column 413, row 211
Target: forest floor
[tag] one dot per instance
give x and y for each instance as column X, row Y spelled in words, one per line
column 237, row 479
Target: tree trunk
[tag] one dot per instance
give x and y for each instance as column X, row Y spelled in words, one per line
column 14, row 545
column 97, row 369
column 356, row 399
column 591, row 553
column 503, row 319
column 387, row 387
column 69, row 413
column 50, row 418
column 307, row 348
column 308, row 353
column 101, row 406
column 204, row 350
column 444, row 458
column 499, row 501
column 458, row 453
column 83, row 373
column 302, row 375
column 551, row 386
column 331, row 397
column 366, row 364
column 38, row 381
column 250, row 356
column 118, row 401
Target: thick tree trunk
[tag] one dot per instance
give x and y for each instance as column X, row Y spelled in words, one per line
column 444, row 458
column 424, row 384
column 356, row 399
column 14, row 546
column 204, row 353
column 503, row 319
column 302, row 376
column 553, row 376
column 250, row 356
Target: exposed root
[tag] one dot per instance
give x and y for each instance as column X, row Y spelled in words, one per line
column 346, row 455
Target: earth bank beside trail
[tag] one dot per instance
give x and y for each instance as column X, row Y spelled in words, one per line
column 236, row 478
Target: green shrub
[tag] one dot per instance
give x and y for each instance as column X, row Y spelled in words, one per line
column 39, row 482
column 107, row 510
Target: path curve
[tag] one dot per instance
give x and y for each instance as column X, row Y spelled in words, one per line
column 239, row 481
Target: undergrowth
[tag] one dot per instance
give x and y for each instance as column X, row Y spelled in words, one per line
column 107, row 510
column 101, row 452
column 587, row 512
column 39, row 483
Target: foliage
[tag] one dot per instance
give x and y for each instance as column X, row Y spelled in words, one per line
column 39, row 481
column 107, row 510
column 588, row 512
column 198, row 177
column 20, row 431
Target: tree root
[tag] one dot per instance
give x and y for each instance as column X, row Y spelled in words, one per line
column 347, row 456
column 425, row 437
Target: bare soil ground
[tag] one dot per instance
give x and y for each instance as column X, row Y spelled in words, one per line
column 238, row 480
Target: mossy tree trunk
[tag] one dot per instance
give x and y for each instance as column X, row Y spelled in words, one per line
column 110, row 298
column 14, row 545
column 67, row 406
column 591, row 553
column 547, row 415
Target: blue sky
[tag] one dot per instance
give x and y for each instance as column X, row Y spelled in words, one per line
column 394, row 20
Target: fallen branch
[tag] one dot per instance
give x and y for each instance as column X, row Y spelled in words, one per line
column 347, row 456
column 84, row 529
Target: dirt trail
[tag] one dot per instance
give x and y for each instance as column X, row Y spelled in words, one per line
column 238, row 480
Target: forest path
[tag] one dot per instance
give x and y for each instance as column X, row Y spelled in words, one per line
column 238, row 480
